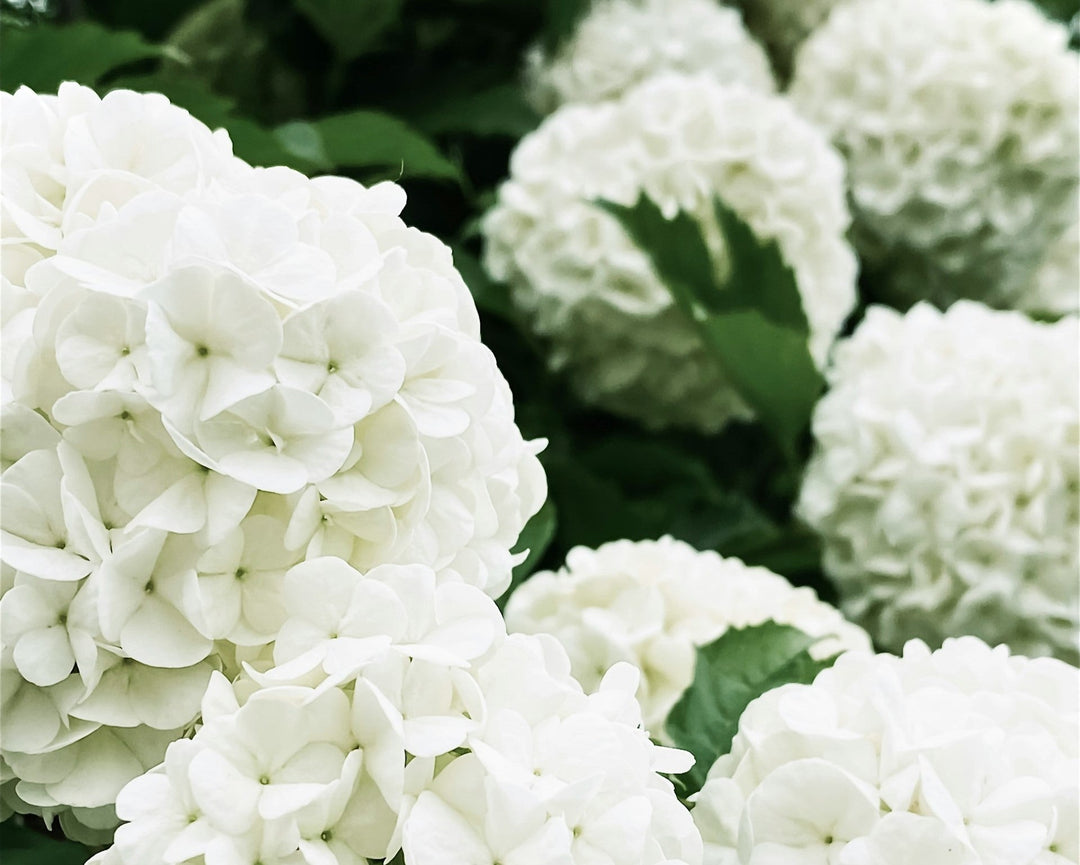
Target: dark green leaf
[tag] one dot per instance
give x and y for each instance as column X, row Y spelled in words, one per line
column 490, row 296
column 731, row 672
column 43, row 56
column 536, row 537
column 499, row 110
column 23, row 846
column 562, row 18
column 372, row 139
column 758, row 277
column 351, row 26
column 771, row 368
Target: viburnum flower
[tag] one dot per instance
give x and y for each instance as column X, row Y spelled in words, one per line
column 620, row 43
column 212, row 372
column 944, row 480
column 583, row 283
column 965, row 755
column 394, row 713
column 652, row 603
column 960, row 122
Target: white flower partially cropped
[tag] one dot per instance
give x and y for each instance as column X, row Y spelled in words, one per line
column 944, row 481
column 211, row 373
column 620, row 43
column 963, row 756
column 960, row 120
column 652, row 603
column 394, row 713
column 583, row 283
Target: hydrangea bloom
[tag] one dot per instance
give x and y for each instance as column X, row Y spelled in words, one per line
column 585, row 285
column 651, row 603
column 620, row 43
column 394, row 712
column 212, row 372
column 960, row 120
column 945, row 478
column 963, row 756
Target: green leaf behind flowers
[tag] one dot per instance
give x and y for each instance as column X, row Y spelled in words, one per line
column 536, row 537
column 352, row 27
column 751, row 318
column 731, row 672
column 24, row 846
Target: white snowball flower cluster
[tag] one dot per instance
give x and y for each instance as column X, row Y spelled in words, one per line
column 211, row 372
column 652, row 603
column 585, row 285
column 397, row 714
column 963, row 756
column 621, row 43
column 960, row 120
column 783, row 25
column 945, row 479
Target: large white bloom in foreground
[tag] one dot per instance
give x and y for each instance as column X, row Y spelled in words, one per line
column 620, row 43
column 944, row 482
column 960, row 120
column 395, row 713
column 583, row 283
column 212, row 372
column 963, row 756
column 652, row 603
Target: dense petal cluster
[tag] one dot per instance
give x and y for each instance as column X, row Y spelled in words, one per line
column 212, row 372
column 963, row 756
column 620, row 43
column 586, row 286
column 396, row 713
column 651, row 603
column 960, row 120
column 945, row 478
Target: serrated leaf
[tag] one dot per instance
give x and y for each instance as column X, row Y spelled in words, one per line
column 350, row 26
column 372, row 139
column 753, row 323
column 23, row 846
column 536, row 537
column 43, row 56
column 732, row 672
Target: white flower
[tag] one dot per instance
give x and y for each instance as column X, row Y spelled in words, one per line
column 1053, row 286
column 396, row 714
column 960, row 121
column 944, row 482
column 620, row 43
column 964, row 755
column 651, row 603
column 210, row 373
column 585, row 285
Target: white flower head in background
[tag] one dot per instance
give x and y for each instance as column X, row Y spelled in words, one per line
column 960, row 121
column 585, row 285
column 652, row 603
column 963, row 756
column 394, row 713
column 620, row 43
column 212, row 372
column 945, row 476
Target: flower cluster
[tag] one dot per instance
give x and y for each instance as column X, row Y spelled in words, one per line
column 211, row 373
column 396, row 714
column 651, row 603
column 964, row 756
column 585, row 285
column 960, row 120
column 620, row 43
column 945, row 478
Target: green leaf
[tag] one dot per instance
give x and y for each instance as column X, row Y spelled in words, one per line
column 562, row 18
column 304, row 141
column 372, row 139
column 731, row 672
column 499, row 110
column 23, row 846
column 536, row 537
column 42, row 56
column 753, row 322
column 351, row 26
column 490, row 296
